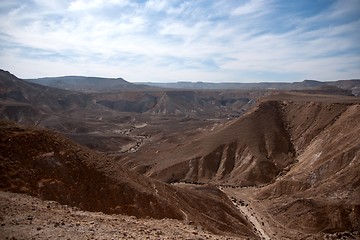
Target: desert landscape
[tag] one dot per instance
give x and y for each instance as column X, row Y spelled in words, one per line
column 193, row 120
column 131, row 161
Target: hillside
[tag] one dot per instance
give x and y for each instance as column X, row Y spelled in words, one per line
column 72, row 113
column 30, row 103
column 248, row 151
column 108, row 121
column 46, row 165
column 25, row 217
column 324, row 185
column 180, row 103
column 254, row 149
column 45, row 98
column 300, row 151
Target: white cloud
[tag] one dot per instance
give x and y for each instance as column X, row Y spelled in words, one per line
column 342, row 8
column 157, row 5
column 251, row 7
column 84, row 5
column 173, row 40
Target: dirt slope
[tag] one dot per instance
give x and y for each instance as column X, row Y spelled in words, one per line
column 317, row 196
column 255, row 149
column 257, row 146
column 25, row 217
column 46, row 165
column 322, row 190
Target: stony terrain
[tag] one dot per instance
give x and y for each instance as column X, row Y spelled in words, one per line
column 46, row 165
column 25, row 217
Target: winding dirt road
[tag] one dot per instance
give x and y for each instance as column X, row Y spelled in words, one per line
column 250, row 215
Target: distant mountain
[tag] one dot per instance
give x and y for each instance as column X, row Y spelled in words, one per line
column 352, row 85
column 99, row 84
column 93, row 119
column 41, row 97
column 86, row 84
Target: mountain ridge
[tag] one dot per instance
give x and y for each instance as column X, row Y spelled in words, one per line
column 102, row 84
column 86, row 84
column 351, row 84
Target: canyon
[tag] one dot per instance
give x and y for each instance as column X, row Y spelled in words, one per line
column 214, row 163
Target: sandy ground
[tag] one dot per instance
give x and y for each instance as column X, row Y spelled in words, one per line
column 25, row 217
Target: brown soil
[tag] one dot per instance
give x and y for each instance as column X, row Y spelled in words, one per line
column 46, row 165
column 25, row 217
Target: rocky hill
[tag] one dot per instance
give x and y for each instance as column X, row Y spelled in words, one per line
column 301, row 152
column 248, row 151
column 48, row 166
column 257, row 147
column 38, row 96
column 26, row 217
column 322, row 190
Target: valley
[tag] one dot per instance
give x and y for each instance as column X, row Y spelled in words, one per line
column 273, row 162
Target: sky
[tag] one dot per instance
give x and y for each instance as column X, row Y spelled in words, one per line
column 180, row 40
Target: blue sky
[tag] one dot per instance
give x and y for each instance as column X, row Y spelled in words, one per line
column 173, row 40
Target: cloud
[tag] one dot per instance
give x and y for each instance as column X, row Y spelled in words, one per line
column 224, row 40
column 83, row 5
column 251, row 7
column 156, row 5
